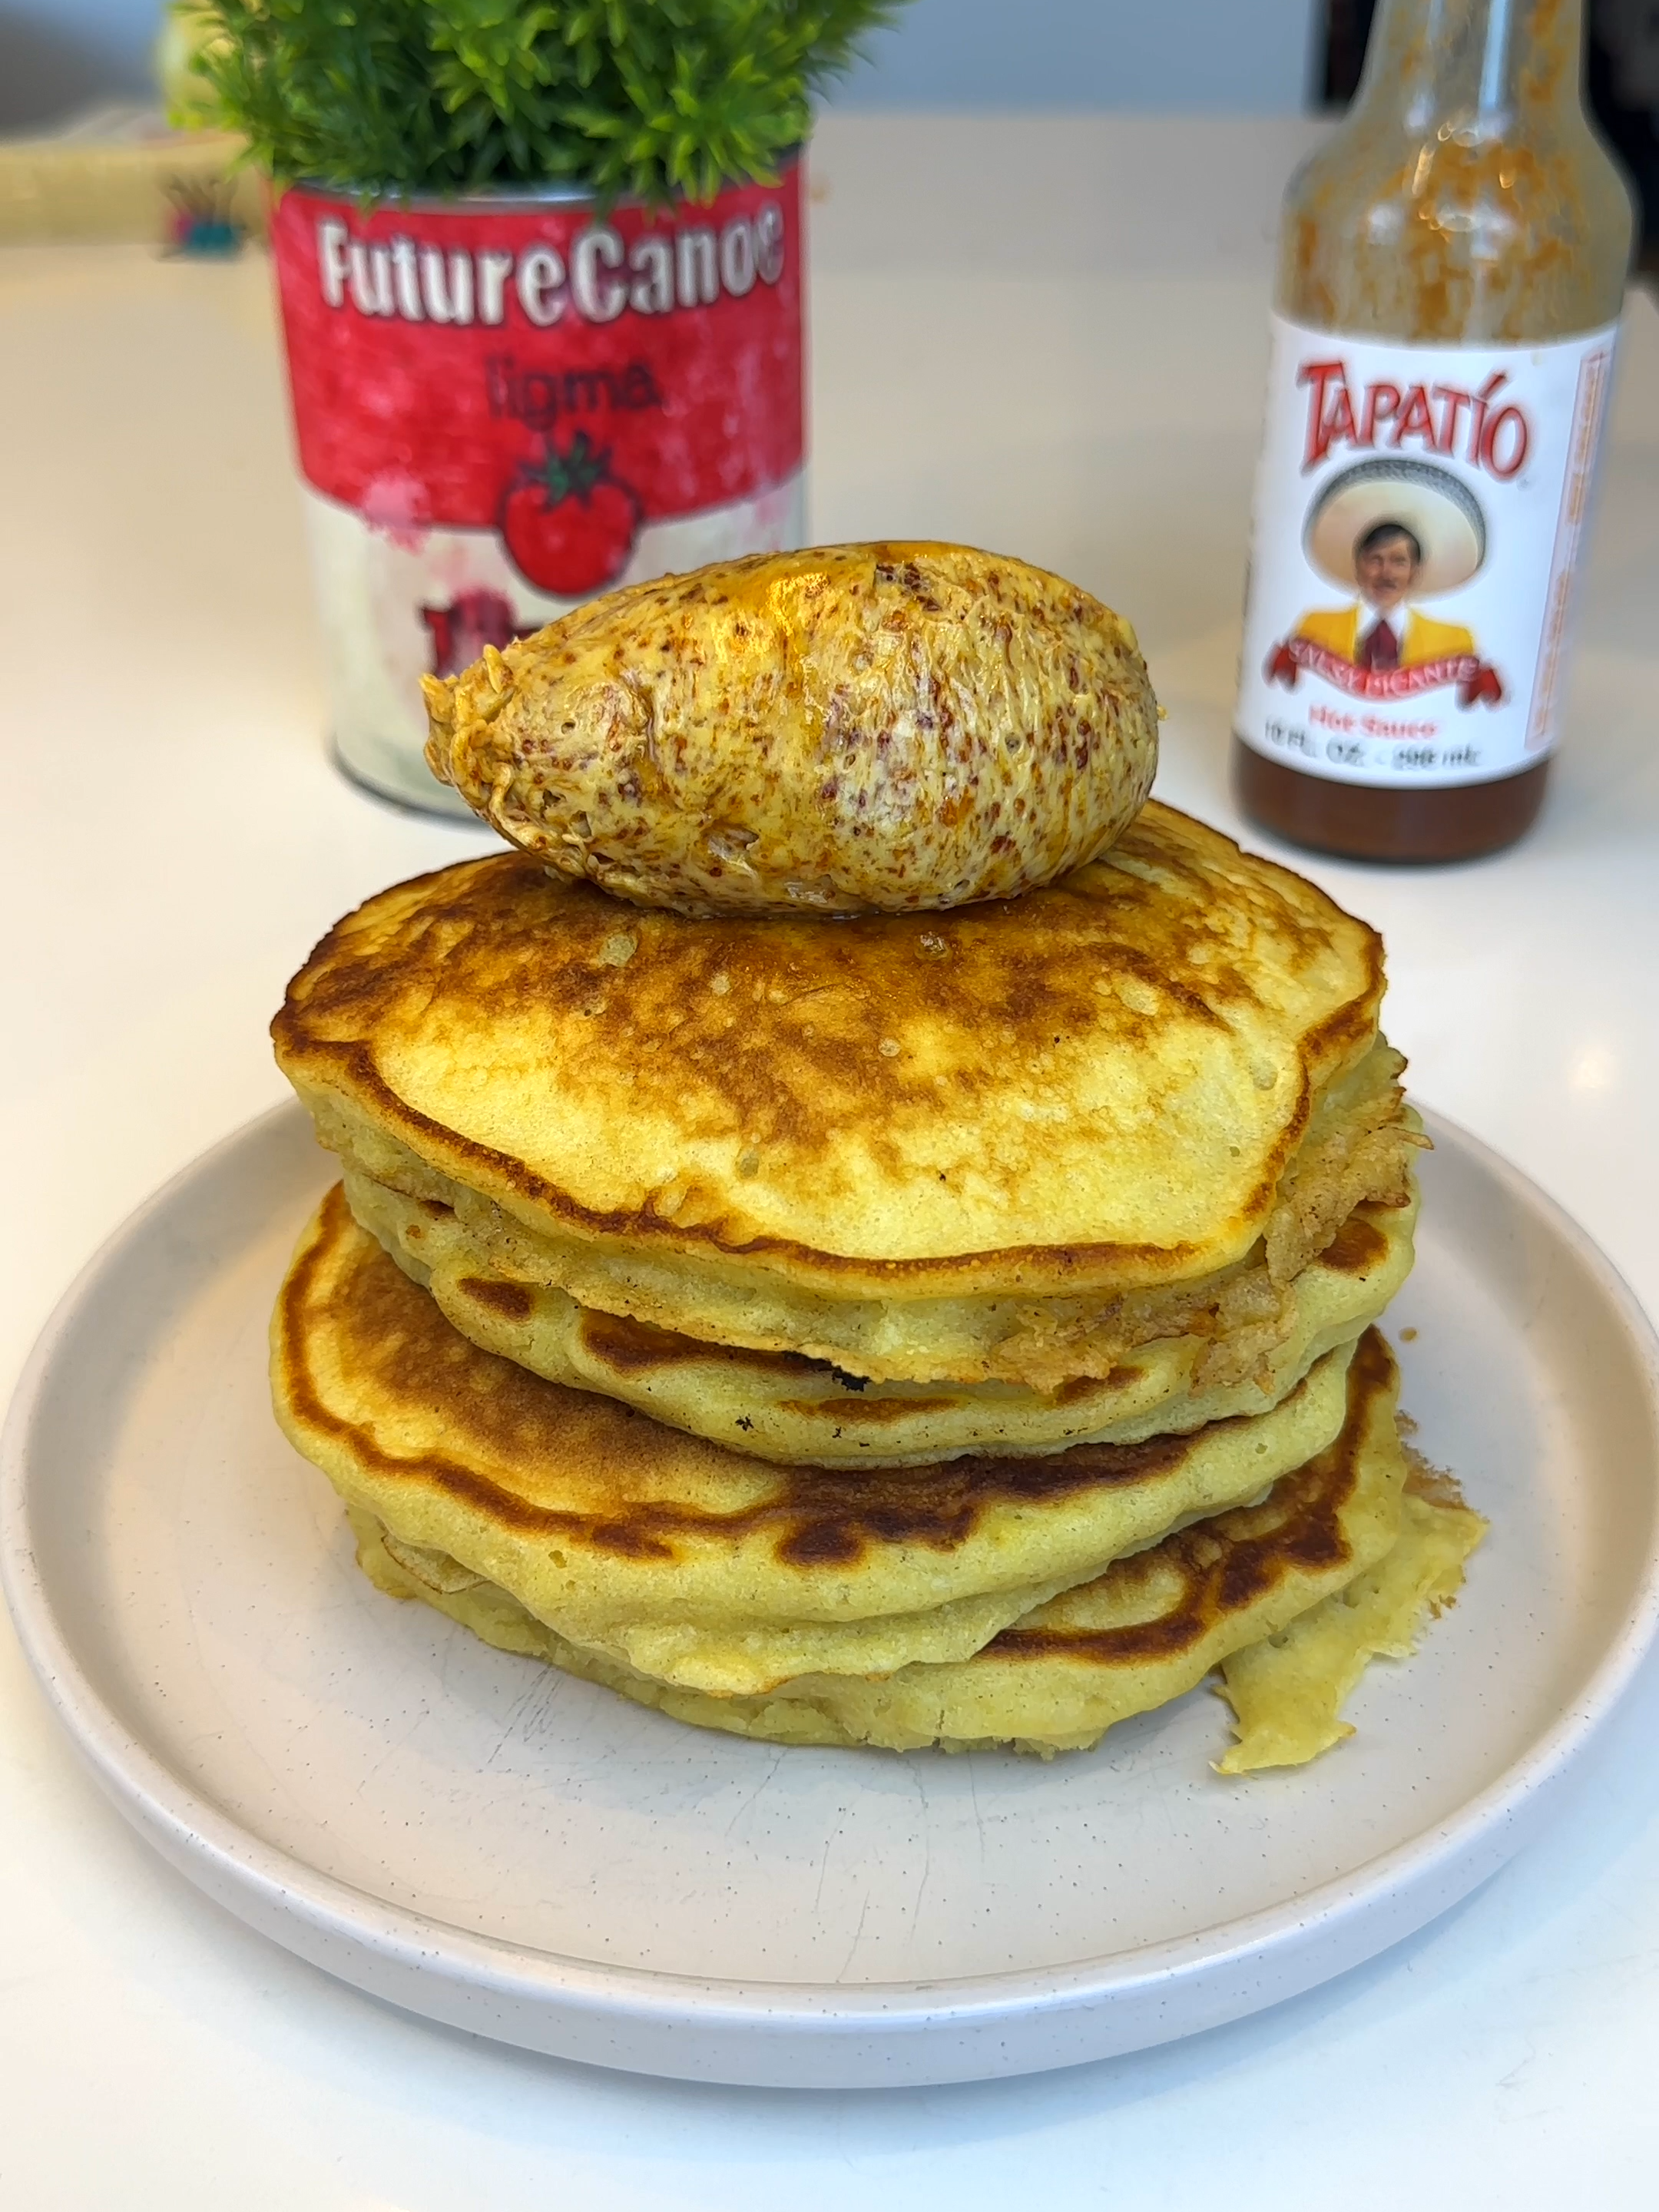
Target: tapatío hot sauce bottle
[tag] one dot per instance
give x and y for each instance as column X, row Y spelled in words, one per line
column 1451, row 267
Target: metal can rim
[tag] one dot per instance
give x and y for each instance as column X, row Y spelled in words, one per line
column 503, row 200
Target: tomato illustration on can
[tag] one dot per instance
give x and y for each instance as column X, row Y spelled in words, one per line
column 567, row 522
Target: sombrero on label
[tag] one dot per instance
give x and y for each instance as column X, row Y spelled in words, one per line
column 1443, row 514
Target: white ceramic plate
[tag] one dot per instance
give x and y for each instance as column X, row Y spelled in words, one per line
column 479, row 1839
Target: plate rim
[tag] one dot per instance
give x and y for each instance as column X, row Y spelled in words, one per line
column 214, row 1848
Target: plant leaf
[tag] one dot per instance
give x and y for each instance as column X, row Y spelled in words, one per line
column 650, row 98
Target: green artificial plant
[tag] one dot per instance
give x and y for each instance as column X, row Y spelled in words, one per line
column 650, row 99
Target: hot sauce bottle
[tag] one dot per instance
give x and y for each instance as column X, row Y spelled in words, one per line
column 1451, row 267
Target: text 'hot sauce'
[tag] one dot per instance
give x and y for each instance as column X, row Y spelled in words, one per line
column 1451, row 269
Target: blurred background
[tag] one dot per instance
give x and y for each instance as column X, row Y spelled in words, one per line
column 57, row 54
column 61, row 60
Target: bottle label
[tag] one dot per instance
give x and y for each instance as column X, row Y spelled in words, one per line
column 1419, row 511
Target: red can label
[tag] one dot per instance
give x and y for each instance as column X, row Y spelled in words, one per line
column 503, row 408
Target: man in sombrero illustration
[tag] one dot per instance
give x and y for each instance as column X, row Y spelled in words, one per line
column 1381, row 630
column 1402, row 531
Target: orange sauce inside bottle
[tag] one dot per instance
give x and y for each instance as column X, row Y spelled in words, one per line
column 1464, row 200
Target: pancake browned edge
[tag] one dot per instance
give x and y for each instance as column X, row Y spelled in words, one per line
column 783, row 1406
column 915, row 1147
column 691, row 1563
column 1148, row 1630
column 476, row 1486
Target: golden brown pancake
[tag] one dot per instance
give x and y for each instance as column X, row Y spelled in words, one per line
column 783, row 1406
column 688, row 1563
column 1143, row 1632
column 1000, row 1143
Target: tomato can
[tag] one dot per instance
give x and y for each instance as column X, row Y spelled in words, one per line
column 503, row 405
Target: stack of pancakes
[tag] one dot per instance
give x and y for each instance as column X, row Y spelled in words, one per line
column 951, row 1328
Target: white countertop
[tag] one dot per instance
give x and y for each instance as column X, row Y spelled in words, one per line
column 1046, row 335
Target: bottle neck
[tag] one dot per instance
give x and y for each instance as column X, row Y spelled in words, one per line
column 1478, row 69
